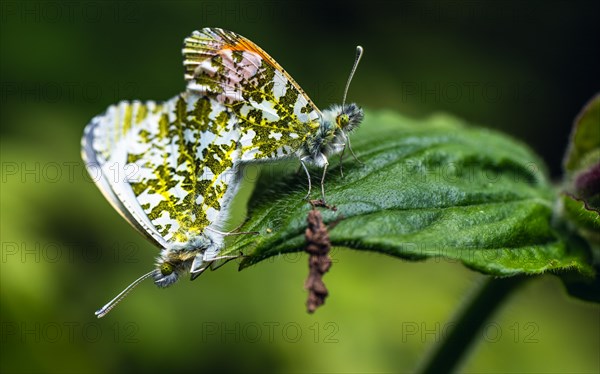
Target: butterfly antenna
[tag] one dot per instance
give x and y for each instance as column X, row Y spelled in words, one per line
column 111, row 304
column 359, row 53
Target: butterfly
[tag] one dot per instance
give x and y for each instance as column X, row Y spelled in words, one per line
column 171, row 169
column 276, row 118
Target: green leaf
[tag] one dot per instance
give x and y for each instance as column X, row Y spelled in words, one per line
column 429, row 188
column 584, row 146
column 582, row 160
column 582, row 215
column 579, row 204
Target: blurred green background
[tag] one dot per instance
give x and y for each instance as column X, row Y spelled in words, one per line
column 525, row 68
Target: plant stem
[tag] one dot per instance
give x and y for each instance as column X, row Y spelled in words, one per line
column 479, row 308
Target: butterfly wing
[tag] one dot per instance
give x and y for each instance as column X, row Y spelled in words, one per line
column 165, row 167
column 168, row 168
column 105, row 159
column 275, row 116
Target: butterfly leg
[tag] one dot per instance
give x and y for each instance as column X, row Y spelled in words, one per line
column 353, row 154
column 202, row 262
column 323, row 181
column 234, row 231
column 308, row 176
column 226, row 258
column 198, row 269
column 342, row 160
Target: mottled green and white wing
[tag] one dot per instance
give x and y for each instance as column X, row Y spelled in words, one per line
column 167, row 168
column 275, row 116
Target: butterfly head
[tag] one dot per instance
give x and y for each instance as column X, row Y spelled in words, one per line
column 349, row 117
column 173, row 263
column 168, row 272
column 332, row 136
column 338, row 121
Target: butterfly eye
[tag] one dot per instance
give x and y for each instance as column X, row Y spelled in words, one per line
column 342, row 120
column 166, row 269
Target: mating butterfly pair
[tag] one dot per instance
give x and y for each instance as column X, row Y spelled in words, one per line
column 239, row 106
